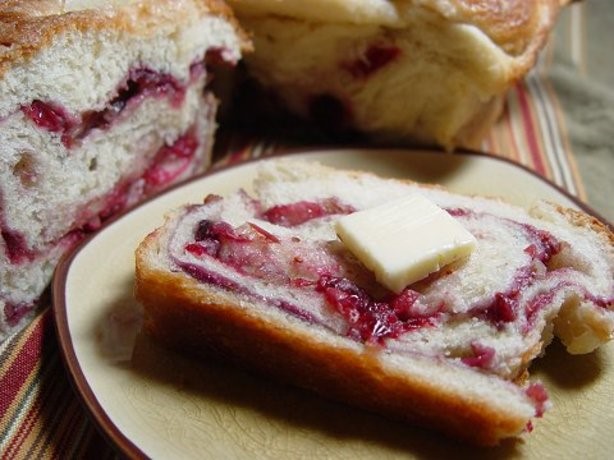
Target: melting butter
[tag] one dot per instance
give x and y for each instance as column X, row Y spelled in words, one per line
column 404, row 240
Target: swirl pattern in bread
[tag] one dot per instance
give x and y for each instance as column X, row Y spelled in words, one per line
column 101, row 104
column 263, row 280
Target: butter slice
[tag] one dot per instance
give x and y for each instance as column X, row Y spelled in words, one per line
column 404, row 240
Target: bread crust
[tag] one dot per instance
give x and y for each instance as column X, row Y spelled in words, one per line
column 517, row 26
column 584, row 221
column 28, row 26
column 184, row 316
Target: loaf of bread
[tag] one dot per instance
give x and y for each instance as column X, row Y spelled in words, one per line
column 101, row 104
column 428, row 71
column 262, row 279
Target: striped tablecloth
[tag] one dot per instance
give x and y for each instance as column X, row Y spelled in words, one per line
column 542, row 128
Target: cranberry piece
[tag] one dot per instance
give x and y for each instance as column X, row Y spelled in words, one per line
column 290, row 215
column 141, row 83
column 375, row 58
column 14, row 312
column 403, row 303
column 170, row 162
column 16, row 246
column 545, row 247
column 207, row 241
column 370, row 320
column 539, row 396
column 482, row 356
column 197, row 249
column 458, row 212
column 204, row 230
column 502, row 309
column 294, row 214
column 210, row 236
column 266, row 234
column 536, row 304
column 215, row 57
column 150, row 83
column 184, row 146
column 205, row 276
column 47, row 116
column 223, row 231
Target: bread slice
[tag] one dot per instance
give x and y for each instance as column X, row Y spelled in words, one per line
column 429, row 71
column 262, row 279
column 101, row 104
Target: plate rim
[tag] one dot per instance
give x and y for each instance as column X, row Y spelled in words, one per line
column 76, row 376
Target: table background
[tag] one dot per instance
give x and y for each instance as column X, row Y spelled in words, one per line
column 559, row 121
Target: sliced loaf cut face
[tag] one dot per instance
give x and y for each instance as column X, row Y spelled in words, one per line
column 263, row 279
column 101, row 104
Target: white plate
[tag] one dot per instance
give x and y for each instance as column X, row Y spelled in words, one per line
column 150, row 402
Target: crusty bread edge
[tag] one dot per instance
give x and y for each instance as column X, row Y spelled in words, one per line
column 193, row 318
column 581, row 220
column 25, row 31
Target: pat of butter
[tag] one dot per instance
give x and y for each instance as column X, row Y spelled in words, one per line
column 404, row 240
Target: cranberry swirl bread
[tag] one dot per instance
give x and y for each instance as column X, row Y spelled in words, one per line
column 263, row 280
column 101, row 104
column 428, row 71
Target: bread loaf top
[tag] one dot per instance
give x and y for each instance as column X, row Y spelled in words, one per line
column 517, row 26
column 75, row 53
column 27, row 26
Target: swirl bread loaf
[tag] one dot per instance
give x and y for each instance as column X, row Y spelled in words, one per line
column 263, row 280
column 427, row 71
column 101, row 103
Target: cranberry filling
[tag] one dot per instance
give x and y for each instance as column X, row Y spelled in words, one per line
column 370, row 320
column 14, row 312
column 482, row 356
column 535, row 305
column 206, row 276
column 504, row 306
column 215, row 57
column 16, row 247
column 171, row 162
column 49, row 116
column 252, row 250
column 255, row 251
column 290, row 215
column 545, row 247
column 140, row 84
column 375, row 58
column 539, row 396
column 210, row 235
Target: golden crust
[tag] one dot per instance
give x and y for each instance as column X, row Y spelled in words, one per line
column 515, row 25
column 182, row 315
column 27, row 26
column 586, row 221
